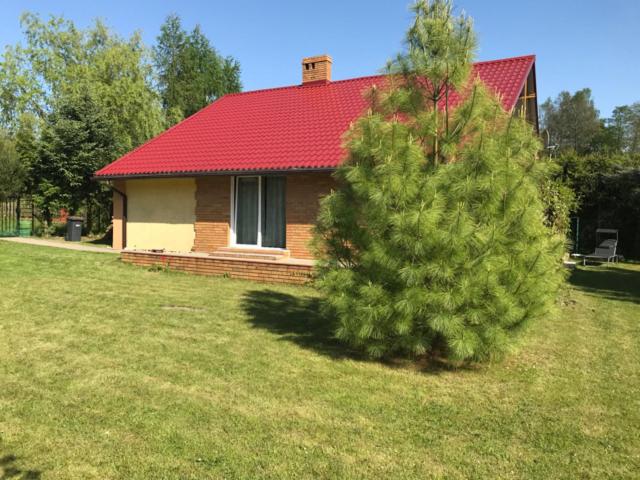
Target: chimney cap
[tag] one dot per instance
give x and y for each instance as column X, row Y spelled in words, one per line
column 317, row 58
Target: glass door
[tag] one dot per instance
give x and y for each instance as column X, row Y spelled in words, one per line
column 273, row 212
column 247, row 195
column 260, row 211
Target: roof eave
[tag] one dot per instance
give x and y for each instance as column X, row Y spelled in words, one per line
column 133, row 176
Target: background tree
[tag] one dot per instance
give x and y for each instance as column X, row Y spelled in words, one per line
column 63, row 67
column 435, row 237
column 64, row 81
column 191, row 72
column 167, row 58
column 12, row 173
column 26, row 140
column 77, row 139
column 20, row 91
column 625, row 124
column 571, row 120
column 116, row 72
column 59, row 59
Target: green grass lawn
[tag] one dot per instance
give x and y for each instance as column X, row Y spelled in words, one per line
column 112, row 371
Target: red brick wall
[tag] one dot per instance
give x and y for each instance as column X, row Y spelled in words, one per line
column 213, row 203
column 302, row 202
column 235, row 268
column 304, row 192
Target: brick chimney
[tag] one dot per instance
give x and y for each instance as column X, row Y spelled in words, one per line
column 316, row 69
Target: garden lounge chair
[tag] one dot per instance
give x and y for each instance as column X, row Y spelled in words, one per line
column 606, row 251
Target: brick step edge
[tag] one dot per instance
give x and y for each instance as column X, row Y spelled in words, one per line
column 270, row 272
column 241, row 255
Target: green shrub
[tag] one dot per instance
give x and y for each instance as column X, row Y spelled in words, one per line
column 607, row 189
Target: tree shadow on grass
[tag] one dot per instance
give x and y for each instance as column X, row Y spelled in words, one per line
column 10, row 470
column 299, row 319
column 610, row 282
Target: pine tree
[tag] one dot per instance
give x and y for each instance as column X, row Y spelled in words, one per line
column 435, row 237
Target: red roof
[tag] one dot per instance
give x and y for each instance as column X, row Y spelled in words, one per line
column 279, row 129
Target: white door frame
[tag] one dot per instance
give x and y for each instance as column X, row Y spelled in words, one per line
column 234, row 214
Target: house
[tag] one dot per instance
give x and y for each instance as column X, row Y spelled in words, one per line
column 235, row 188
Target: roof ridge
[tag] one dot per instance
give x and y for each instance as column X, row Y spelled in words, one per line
column 300, row 85
column 365, row 77
column 508, row 59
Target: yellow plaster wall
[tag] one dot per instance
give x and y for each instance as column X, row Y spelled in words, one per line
column 161, row 214
column 118, row 220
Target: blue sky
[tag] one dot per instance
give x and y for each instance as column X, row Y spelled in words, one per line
column 579, row 43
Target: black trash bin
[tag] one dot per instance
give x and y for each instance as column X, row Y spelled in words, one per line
column 74, row 229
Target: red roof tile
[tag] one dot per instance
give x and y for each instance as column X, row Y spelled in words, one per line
column 288, row 128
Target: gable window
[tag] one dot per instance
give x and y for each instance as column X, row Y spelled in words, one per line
column 259, row 213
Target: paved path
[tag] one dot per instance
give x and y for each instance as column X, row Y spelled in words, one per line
column 60, row 244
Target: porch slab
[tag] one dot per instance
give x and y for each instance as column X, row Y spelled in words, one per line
column 280, row 270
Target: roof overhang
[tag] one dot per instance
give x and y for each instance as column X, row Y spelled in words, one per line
column 218, row 173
